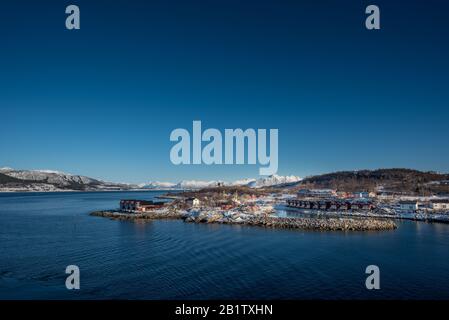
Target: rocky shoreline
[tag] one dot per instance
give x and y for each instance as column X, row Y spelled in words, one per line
column 317, row 224
column 416, row 216
column 116, row 215
column 320, row 224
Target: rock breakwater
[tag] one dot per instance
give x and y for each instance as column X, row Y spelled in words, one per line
column 117, row 215
column 332, row 224
column 318, row 224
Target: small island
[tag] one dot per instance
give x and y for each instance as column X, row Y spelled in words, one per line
column 350, row 200
column 238, row 205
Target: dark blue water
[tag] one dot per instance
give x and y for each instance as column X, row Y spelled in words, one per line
column 40, row 234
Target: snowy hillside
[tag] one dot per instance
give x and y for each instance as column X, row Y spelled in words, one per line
column 195, row 184
column 273, row 180
column 157, row 185
column 51, row 180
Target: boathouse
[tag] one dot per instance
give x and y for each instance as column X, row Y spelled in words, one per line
column 333, row 205
column 139, row 205
column 408, row 205
column 316, row 193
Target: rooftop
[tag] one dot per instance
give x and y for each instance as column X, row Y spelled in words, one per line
column 408, row 202
column 440, row 201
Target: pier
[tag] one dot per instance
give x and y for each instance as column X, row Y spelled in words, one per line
column 333, row 205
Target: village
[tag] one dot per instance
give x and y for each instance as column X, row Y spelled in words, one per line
column 372, row 204
column 316, row 209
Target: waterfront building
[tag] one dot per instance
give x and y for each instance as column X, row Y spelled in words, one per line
column 316, row 193
column 139, row 205
column 440, row 204
column 193, row 202
column 408, row 205
column 227, row 205
column 235, row 198
column 361, row 194
column 330, row 204
column 343, row 194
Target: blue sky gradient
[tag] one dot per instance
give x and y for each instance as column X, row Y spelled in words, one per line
column 102, row 101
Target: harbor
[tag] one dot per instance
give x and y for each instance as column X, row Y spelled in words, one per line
column 329, row 224
column 309, row 209
column 222, row 207
column 152, row 255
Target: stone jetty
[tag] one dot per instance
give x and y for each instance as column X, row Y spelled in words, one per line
column 319, row 224
column 332, row 224
column 117, row 215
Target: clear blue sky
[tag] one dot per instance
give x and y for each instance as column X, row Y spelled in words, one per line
column 102, row 101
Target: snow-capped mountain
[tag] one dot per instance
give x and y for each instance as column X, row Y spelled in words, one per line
column 242, row 182
column 157, row 185
column 273, row 180
column 199, row 184
column 195, row 184
column 50, row 176
column 184, row 184
column 50, row 180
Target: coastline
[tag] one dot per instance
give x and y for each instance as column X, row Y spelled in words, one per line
column 106, row 190
column 421, row 217
column 313, row 224
column 164, row 247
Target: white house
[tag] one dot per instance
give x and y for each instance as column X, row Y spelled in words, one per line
column 442, row 204
column 193, row 202
column 361, row 194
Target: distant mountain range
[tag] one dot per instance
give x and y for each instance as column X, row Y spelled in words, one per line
column 49, row 180
column 396, row 179
column 381, row 180
column 273, row 180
